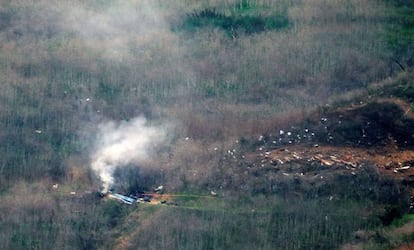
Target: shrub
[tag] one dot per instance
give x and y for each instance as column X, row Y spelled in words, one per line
column 235, row 23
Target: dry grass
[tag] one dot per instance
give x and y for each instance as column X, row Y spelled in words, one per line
column 127, row 59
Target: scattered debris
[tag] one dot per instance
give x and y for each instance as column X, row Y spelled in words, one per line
column 324, row 161
column 296, row 156
column 402, row 168
column 122, row 198
column 388, row 165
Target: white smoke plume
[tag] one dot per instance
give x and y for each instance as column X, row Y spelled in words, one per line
column 115, row 27
column 122, row 143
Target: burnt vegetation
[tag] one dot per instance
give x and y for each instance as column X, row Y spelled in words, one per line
column 283, row 117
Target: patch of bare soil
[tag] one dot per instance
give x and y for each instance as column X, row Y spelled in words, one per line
column 379, row 133
column 406, row 247
column 334, row 143
column 398, row 163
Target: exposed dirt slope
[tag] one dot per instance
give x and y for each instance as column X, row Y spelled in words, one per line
column 338, row 143
column 375, row 128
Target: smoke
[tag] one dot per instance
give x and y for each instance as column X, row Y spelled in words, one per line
column 134, row 35
column 122, row 143
column 113, row 27
column 128, row 32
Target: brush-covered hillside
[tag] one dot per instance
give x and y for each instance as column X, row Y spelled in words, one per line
column 237, row 124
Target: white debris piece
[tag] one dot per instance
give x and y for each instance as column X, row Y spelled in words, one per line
column 296, row 156
column 281, row 132
column 403, row 168
column 55, row 186
column 159, row 188
column 38, row 131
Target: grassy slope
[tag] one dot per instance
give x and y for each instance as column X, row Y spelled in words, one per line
column 220, row 80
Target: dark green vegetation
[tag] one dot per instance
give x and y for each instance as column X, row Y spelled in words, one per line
column 400, row 33
column 216, row 72
column 236, row 23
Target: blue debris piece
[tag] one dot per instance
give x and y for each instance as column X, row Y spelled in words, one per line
column 122, row 198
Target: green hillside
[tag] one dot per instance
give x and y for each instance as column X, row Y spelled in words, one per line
column 207, row 79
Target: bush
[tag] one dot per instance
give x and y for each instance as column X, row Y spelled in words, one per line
column 235, row 23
